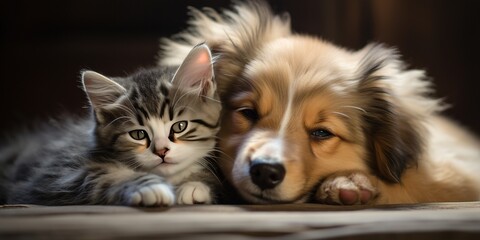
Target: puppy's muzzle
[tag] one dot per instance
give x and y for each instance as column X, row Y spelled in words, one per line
column 266, row 173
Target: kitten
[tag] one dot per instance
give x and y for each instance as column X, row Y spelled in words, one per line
column 146, row 143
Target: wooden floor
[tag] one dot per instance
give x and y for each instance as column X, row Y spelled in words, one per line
column 301, row 221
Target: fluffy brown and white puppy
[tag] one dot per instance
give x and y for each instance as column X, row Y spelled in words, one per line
column 304, row 118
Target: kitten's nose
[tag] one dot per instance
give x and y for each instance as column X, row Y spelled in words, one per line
column 162, row 152
column 266, row 174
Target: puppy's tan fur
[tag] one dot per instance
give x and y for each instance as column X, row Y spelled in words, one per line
column 388, row 136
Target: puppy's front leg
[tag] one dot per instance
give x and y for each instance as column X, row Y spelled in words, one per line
column 347, row 188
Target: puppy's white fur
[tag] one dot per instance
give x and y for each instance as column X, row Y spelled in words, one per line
column 384, row 125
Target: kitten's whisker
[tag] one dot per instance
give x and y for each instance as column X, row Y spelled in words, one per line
column 210, row 167
column 116, row 119
column 125, row 108
column 183, row 95
column 210, row 98
column 189, row 108
column 222, row 153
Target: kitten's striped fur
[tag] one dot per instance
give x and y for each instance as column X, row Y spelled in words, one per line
column 146, row 143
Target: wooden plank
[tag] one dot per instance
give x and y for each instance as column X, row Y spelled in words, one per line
column 291, row 221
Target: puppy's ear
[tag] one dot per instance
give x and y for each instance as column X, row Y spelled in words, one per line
column 392, row 133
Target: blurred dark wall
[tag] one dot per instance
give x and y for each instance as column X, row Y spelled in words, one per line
column 45, row 44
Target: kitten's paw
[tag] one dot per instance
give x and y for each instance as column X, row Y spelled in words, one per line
column 158, row 194
column 194, row 193
column 350, row 189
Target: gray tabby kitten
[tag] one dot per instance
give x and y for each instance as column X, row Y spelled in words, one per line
column 145, row 144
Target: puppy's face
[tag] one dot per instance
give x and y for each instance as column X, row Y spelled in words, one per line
column 293, row 117
column 297, row 109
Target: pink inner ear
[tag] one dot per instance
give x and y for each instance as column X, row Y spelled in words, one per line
column 204, row 58
column 196, row 71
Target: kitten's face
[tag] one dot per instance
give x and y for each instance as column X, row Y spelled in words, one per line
column 167, row 137
column 158, row 120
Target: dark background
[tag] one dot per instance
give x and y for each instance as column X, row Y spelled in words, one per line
column 45, row 44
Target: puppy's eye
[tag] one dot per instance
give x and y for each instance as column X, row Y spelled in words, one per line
column 249, row 113
column 321, row 134
column 138, row 134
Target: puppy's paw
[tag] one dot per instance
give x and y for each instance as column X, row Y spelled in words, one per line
column 157, row 194
column 350, row 189
column 194, row 193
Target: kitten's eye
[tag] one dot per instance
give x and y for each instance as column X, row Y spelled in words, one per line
column 249, row 113
column 179, row 127
column 321, row 134
column 138, row 134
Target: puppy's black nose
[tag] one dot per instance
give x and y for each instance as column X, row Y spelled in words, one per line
column 266, row 174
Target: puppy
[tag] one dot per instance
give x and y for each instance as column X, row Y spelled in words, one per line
column 305, row 120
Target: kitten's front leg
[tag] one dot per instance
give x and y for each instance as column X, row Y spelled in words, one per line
column 199, row 188
column 148, row 190
column 194, row 192
column 113, row 184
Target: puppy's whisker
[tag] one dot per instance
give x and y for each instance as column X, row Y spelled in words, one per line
column 229, row 75
column 355, row 107
column 342, row 114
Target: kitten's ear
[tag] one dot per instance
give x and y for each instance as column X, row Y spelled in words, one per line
column 101, row 90
column 196, row 71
